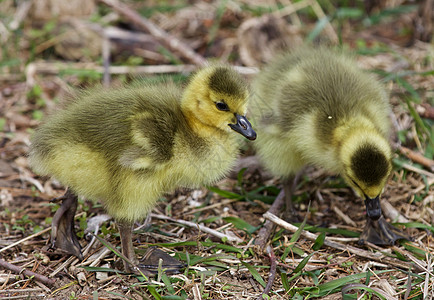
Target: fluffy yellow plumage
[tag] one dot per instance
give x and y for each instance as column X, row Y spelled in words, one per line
column 316, row 107
column 128, row 146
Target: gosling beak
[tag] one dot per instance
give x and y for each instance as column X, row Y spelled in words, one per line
column 243, row 127
column 373, row 208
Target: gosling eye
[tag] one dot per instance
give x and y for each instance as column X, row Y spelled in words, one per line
column 222, row 106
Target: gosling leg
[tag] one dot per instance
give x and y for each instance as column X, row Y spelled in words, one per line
column 150, row 262
column 289, row 186
column 288, row 189
column 126, row 234
column 62, row 226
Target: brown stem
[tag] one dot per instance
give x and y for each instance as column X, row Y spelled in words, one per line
column 428, row 111
column 168, row 40
column 265, row 231
column 28, row 273
column 417, row 158
column 273, row 269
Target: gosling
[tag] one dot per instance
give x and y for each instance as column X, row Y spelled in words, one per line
column 128, row 146
column 316, row 107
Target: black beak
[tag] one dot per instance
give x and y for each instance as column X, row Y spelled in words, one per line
column 243, row 127
column 373, row 208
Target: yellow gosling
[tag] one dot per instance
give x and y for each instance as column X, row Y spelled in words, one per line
column 128, row 146
column 316, row 107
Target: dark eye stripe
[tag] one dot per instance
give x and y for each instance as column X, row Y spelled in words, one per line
column 222, row 106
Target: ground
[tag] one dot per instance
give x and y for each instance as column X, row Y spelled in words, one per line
column 46, row 56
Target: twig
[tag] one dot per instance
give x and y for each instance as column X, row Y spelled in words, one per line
column 100, row 257
column 418, row 158
column 4, row 33
column 344, row 217
column 423, row 265
column 426, row 111
column 224, row 202
column 357, row 251
column 196, row 292
column 408, row 284
column 342, row 239
column 43, row 286
column 321, row 15
column 26, row 239
column 328, row 266
column 265, row 231
column 51, row 68
column 33, row 181
column 273, row 268
column 200, row 227
column 289, row 9
column 63, row 266
column 20, row 15
column 392, row 213
column 417, row 170
column 29, row 290
column 168, row 40
column 28, row 273
column 105, row 45
column 427, row 277
column 430, row 182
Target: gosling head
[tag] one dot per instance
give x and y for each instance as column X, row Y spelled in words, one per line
column 366, row 169
column 217, row 97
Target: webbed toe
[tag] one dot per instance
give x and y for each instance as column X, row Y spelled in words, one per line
column 149, row 264
column 380, row 232
column 62, row 233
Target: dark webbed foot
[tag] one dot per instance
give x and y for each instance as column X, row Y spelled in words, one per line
column 62, row 232
column 150, row 261
column 380, row 232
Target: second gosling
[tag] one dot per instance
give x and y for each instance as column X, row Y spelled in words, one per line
column 127, row 146
column 316, row 107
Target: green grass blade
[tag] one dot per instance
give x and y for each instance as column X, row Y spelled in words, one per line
column 420, row 253
column 240, row 176
column 294, row 239
column 285, row 282
column 168, row 284
column 319, row 242
column 408, row 87
column 363, row 287
column 226, row 194
column 254, row 273
column 319, row 27
column 154, row 292
column 420, row 124
column 303, row 263
column 343, row 232
column 416, row 225
column 198, row 244
column 337, row 284
column 112, row 248
column 241, row 224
